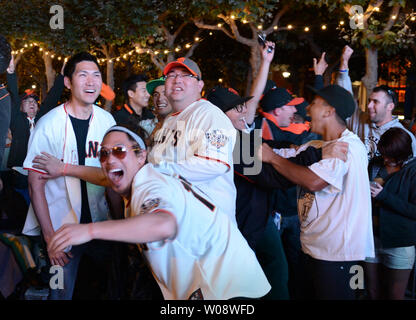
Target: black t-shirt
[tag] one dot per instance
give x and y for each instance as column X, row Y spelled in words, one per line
column 81, row 131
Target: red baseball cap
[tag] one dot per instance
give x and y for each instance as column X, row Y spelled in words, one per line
column 187, row 63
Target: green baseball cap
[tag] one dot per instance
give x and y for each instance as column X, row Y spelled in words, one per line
column 151, row 85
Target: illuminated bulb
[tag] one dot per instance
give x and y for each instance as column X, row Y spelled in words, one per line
column 156, row 52
column 259, row 27
column 33, row 86
column 377, row 9
column 130, row 53
column 289, row 26
column 40, row 49
column 394, row 17
column 125, row 56
column 286, row 74
column 31, row 44
column 59, row 58
column 21, row 50
column 197, row 39
column 25, row 45
column 413, row 18
column 118, row 59
column 306, row 29
column 52, row 56
column 275, row 27
column 66, row 59
column 244, row 21
column 220, row 80
column 219, row 25
column 177, row 49
column 323, row 27
column 341, row 23
column 232, row 16
column 210, row 33
column 188, row 46
column 166, row 51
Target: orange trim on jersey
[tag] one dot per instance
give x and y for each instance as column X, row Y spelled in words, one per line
column 296, row 128
column 175, row 113
column 243, row 176
column 163, row 210
column 7, row 94
column 213, row 159
column 31, row 169
column 128, row 109
column 266, row 132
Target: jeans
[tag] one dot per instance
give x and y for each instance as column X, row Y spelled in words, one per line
column 328, row 280
column 271, row 256
column 98, row 250
column 290, row 234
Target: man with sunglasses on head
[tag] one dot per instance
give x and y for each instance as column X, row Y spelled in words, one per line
column 197, row 139
column 71, row 132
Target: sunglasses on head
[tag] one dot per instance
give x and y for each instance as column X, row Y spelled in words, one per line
column 119, row 152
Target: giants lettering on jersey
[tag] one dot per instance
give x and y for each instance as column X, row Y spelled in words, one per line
column 162, row 138
column 92, row 149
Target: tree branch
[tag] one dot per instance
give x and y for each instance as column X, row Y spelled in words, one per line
column 202, row 25
column 394, row 12
column 276, row 19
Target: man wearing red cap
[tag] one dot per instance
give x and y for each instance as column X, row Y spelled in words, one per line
column 196, row 141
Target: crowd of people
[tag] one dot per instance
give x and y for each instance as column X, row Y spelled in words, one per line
column 217, row 196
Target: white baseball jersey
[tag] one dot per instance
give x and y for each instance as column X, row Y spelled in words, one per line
column 55, row 135
column 208, row 258
column 336, row 223
column 197, row 143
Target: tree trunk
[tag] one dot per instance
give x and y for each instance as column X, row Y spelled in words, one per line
column 49, row 72
column 371, row 70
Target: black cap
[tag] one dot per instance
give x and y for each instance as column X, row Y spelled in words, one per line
column 225, row 98
column 277, row 98
column 5, row 54
column 301, row 110
column 270, row 84
column 338, row 98
column 29, row 94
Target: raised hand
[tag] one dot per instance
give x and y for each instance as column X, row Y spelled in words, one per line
column 336, row 149
column 53, row 166
column 320, row 66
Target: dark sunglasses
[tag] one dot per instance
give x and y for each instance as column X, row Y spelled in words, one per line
column 119, row 152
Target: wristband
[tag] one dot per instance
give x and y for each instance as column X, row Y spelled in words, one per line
column 343, row 70
column 64, row 170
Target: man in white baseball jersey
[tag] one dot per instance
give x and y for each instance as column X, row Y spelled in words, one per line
column 71, row 132
column 193, row 248
column 334, row 204
column 196, row 141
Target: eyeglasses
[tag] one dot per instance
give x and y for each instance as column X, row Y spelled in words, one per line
column 180, row 76
column 119, row 152
column 240, row 107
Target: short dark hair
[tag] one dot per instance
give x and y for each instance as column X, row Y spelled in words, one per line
column 75, row 59
column 390, row 93
column 130, row 83
column 396, row 144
